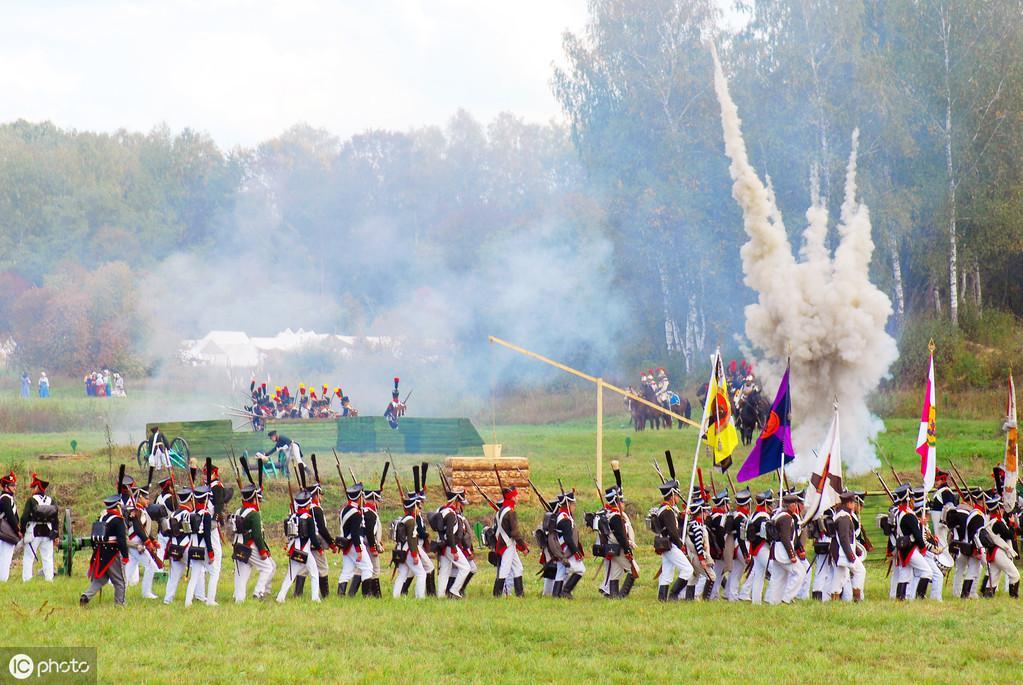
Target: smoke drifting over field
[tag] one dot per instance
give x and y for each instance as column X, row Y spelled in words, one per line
column 822, row 312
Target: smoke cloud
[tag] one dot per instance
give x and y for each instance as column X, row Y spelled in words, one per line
column 822, row 311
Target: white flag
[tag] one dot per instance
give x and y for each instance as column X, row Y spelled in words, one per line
column 826, row 480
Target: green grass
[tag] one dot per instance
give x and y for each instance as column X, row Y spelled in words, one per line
column 533, row 640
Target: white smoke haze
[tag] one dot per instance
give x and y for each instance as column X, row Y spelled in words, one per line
column 821, row 312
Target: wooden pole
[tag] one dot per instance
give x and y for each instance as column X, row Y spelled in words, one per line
column 592, row 379
column 600, row 434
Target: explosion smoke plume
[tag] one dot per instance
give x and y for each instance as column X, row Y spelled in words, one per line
column 822, row 312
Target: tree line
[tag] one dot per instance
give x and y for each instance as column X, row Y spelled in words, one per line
column 934, row 87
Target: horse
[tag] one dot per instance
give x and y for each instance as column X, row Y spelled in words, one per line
column 641, row 413
column 751, row 414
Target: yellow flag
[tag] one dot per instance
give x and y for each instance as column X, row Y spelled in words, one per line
column 721, row 436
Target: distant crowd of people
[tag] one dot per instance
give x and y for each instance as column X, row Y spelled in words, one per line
column 104, row 384
column 26, row 385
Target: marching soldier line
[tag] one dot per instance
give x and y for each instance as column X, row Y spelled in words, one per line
column 739, row 547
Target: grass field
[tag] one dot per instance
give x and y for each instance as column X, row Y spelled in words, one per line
column 508, row 640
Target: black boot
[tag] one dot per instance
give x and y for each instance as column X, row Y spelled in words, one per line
column 299, row 586
column 921, row 588
column 818, row 595
column 627, row 585
column 558, row 585
column 690, row 592
column 324, row 587
column 354, row 589
column 570, row 584
column 676, row 589
column 613, row 591
column 431, row 585
column 520, row 590
column 367, row 587
column 662, row 593
column 406, row 586
column 447, row 588
column 468, row 579
column 983, row 586
column 1014, row 590
column 498, row 587
column 707, row 589
column 342, row 590
column 967, row 588
column 83, row 600
column 900, row 591
column 376, row 588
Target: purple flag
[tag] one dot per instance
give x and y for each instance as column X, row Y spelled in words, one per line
column 775, row 442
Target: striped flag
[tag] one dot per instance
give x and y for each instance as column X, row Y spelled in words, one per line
column 720, row 436
column 1011, row 448
column 925, row 441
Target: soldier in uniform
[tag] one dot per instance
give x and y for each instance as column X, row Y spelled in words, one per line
column 509, row 542
column 665, row 522
column 759, row 546
column 357, row 563
column 10, row 526
column 549, row 553
column 219, row 498
column 995, row 539
column 300, row 530
column 697, row 550
column 165, row 500
column 406, row 555
column 200, row 552
column 250, row 548
column 910, row 546
column 453, row 566
column 821, row 531
column 109, row 552
column 784, row 563
column 423, row 532
column 141, row 545
column 620, row 571
column 735, row 539
column 467, row 543
column 935, row 578
column 396, row 408
column 942, row 499
column 717, row 538
column 321, row 542
column 844, row 551
column 964, row 522
column 289, row 450
column 571, row 567
column 179, row 539
column 40, row 528
column 372, row 533
column 159, row 457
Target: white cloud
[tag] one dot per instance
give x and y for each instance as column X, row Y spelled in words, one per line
column 246, row 71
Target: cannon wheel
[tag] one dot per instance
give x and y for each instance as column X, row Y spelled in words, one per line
column 179, row 447
column 142, row 453
column 69, row 544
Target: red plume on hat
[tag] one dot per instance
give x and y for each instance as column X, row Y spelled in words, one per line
column 10, row 479
column 396, row 379
column 36, row 483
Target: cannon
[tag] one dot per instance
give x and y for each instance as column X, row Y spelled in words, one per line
column 70, row 545
column 178, row 452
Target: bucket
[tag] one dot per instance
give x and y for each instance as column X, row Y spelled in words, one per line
column 492, row 451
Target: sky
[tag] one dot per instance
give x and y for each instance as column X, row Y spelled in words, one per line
column 246, row 71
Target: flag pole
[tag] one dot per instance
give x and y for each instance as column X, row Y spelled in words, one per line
column 934, row 384
column 699, row 437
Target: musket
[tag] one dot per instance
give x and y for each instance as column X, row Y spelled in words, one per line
column 383, row 476
column 659, row 474
column 405, row 401
column 885, row 486
column 337, row 460
column 291, row 494
column 484, row 495
column 316, row 470
column 237, row 473
column 730, row 484
column 536, row 491
column 959, row 476
column 499, row 483
column 354, row 477
column 703, row 490
column 713, row 487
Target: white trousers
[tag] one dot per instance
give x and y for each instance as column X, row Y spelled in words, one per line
column 137, row 559
column 266, row 568
column 425, row 559
column 6, row 557
column 449, row 563
column 845, row 572
column 1002, row 565
column 823, row 576
column 784, row 581
column 294, row 570
column 407, row 568
column 40, row 549
column 966, row 568
column 758, row 574
column 735, row 579
column 917, row 569
column 569, row 567
column 197, row 574
column 721, row 567
column 510, row 566
column 351, row 567
column 674, row 562
column 177, row 571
